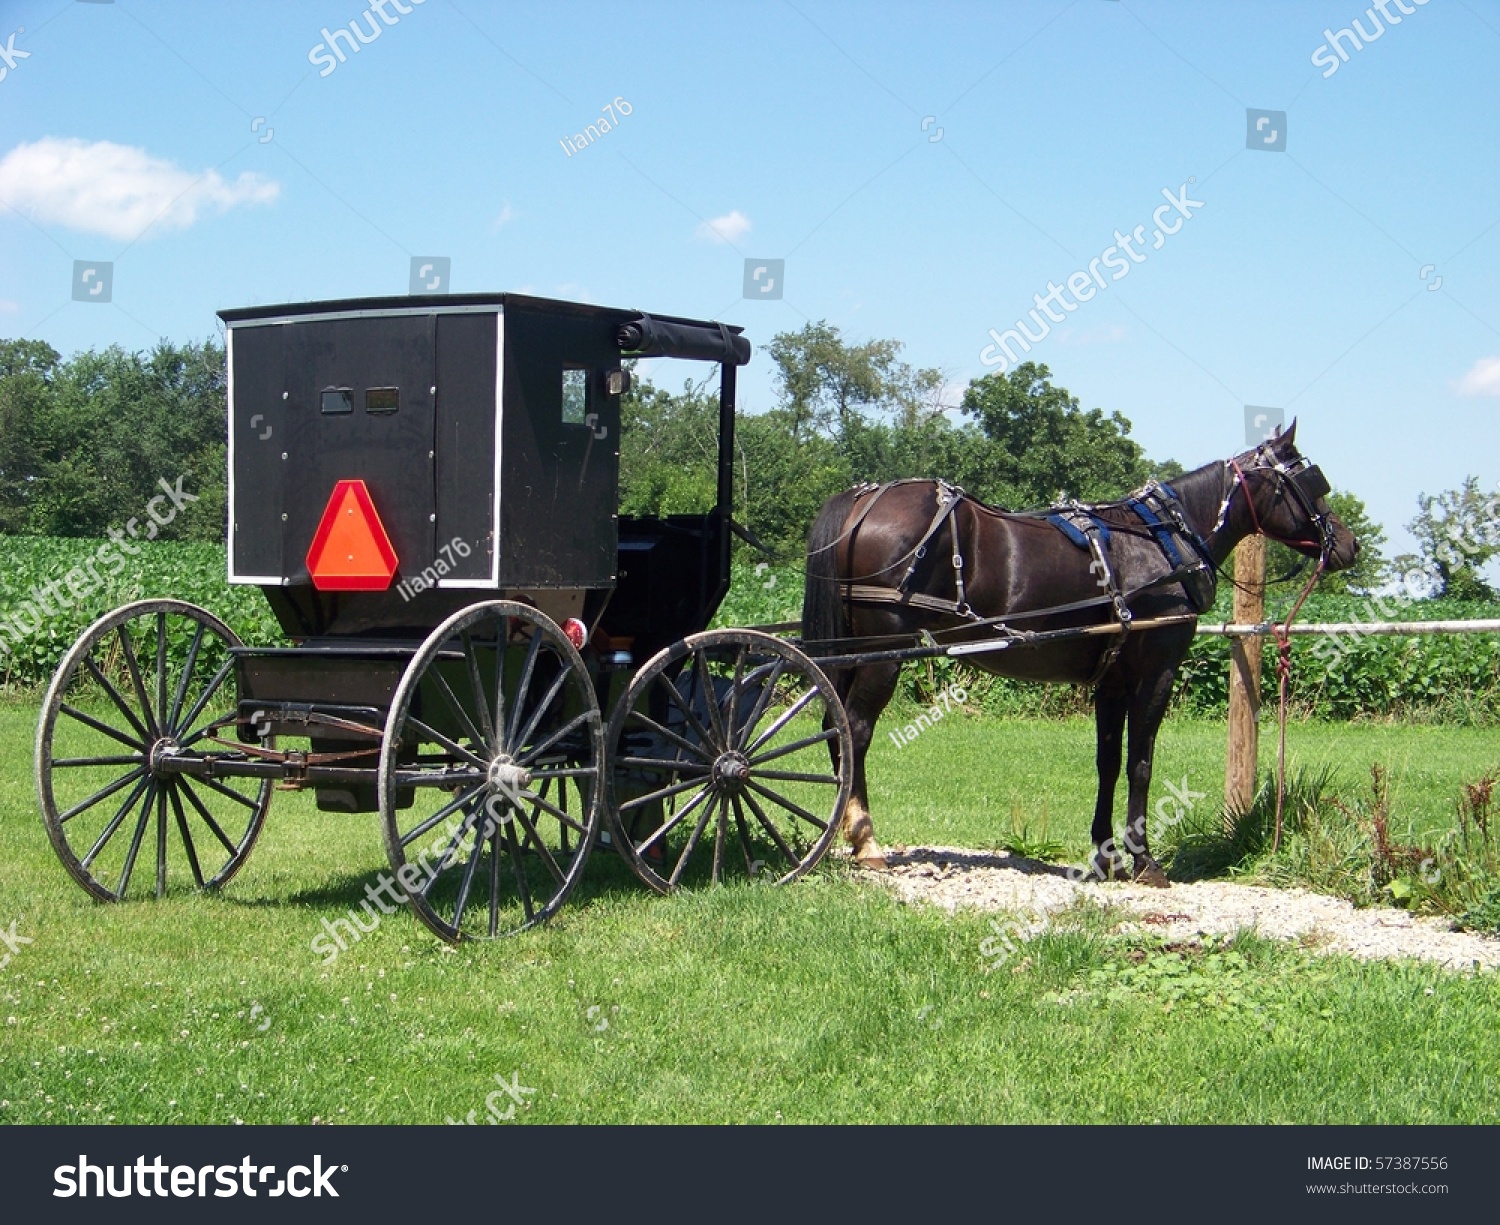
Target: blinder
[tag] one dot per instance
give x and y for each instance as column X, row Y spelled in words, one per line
column 1311, row 483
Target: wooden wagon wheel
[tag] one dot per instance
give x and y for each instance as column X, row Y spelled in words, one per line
column 143, row 685
column 491, row 772
column 719, row 756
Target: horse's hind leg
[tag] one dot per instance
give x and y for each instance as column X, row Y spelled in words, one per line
column 1110, row 707
column 1147, row 709
column 866, row 693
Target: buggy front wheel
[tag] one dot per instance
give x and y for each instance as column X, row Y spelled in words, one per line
column 720, row 762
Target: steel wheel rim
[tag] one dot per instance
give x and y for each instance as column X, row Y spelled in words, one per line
column 743, row 782
column 106, row 801
column 506, row 809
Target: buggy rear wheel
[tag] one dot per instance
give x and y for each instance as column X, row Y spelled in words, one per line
column 491, row 772
column 719, row 757
column 136, row 695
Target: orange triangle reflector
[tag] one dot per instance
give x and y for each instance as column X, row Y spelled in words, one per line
column 350, row 551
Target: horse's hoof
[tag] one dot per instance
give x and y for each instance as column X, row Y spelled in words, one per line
column 1108, row 867
column 1150, row 873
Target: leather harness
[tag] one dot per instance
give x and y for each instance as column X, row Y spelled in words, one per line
column 1156, row 506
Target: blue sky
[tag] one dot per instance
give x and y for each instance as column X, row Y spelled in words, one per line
column 923, row 171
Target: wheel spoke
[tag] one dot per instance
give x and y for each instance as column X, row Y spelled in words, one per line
column 229, row 793
column 782, row 801
column 758, row 711
column 441, row 815
column 112, row 733
column 476, row 684
column 542, row 850
column 805, row 742
column 457, row 750
column 720, row 828
column 187, row 838
column 662, row 793
column 785, row 717
column 533, row 648
column 208, row 817
column 529, row 730
column 744, row 832
column 204, row 699
column 692, row 843
column 697, row 750
column 665, row 763
column 468, row 878
column 518, row 869
column 769, row 826
column 710, row 696
column 676, row 819
column 692, row 719
column 123, row 781
column 60, row 763
column 114, row 823
column 453, row 844
column 187, row 675
column 794, row 776
column 578, row 720
column 161, row 675
column 117, row 698
column 132, row 665
column 161, row 841
column 552, row 808
column 475, row 735
column 442, row 780
column 494, row 885
column 138, row 837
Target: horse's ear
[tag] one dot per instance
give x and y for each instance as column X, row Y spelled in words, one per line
column 1289, row 435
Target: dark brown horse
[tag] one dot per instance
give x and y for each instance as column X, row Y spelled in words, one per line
column 919, row 556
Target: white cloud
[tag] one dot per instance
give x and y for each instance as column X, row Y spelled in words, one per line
column 506, row 214
column 7, row 307
column 1483, row 379
column 117, row 190
column 731, row 227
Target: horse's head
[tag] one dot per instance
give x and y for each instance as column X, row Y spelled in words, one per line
column 1287, row 500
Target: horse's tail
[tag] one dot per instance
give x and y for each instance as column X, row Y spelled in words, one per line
column 823, row 614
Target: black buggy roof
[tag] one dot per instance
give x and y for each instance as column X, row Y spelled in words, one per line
column 641, row 335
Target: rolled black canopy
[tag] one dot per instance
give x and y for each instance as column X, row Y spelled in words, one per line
column 648, row 337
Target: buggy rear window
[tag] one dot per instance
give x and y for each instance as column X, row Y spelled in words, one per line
column 337, row 400
column 575, row 395
column 382, row 399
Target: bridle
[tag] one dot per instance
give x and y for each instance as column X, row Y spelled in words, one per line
column 1305, row 481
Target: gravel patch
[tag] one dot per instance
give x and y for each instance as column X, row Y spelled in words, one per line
column 951, row 877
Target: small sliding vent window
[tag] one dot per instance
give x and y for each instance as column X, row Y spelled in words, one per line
column 337, row 400
column 575, row 395
column 382, row 399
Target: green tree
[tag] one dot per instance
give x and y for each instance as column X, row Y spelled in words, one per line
column 27, row 371
column 827, row 383
column 1045, row 447
column 1458, row 532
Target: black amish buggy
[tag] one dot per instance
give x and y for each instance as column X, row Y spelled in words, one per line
column 487, row 654
column 481, row 649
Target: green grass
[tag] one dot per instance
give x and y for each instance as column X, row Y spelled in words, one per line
column 825, row 1001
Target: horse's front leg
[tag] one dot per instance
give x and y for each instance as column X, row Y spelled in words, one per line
column 1110, row 707
column 1146, row 712
column 869, row 692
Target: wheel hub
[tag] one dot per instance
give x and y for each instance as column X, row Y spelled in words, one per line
column 506, row 777
column 163, row 749
column 731, row 770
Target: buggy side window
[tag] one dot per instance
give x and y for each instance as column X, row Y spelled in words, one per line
column 575, row 395
column 380, row 400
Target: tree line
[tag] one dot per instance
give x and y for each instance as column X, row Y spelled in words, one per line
column 85, row 440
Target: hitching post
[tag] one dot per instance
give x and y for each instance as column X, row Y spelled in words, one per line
column 1244, row 675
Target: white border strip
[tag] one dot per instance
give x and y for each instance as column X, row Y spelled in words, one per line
column 272, row 320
